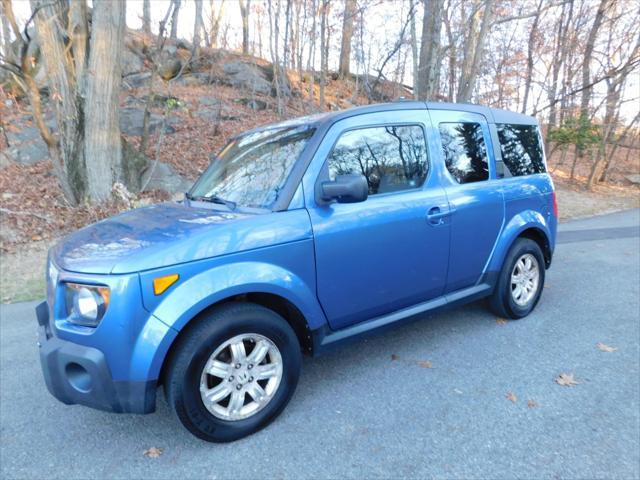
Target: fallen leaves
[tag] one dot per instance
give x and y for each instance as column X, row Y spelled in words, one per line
column 152, row 452
column 419, row 363
column 566, row 380
column 605, row 348
column 512, row 397
column 501, row 321
column 532, row 404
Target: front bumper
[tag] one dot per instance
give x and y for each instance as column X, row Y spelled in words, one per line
column 77, row 374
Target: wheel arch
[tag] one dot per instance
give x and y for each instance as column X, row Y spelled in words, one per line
column 537, row 235
column 274, row 302
column 529, row 224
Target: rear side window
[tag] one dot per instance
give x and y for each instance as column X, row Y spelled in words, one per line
column 464, row 151
column 521, row 149
column 392, row 158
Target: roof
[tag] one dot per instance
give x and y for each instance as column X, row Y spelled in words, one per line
column 493, row 115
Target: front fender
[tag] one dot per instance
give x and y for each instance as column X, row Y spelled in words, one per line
column 286, row 270
column 519, row 223
column 211, row 286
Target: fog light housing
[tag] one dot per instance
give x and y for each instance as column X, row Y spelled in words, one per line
column 86, row 304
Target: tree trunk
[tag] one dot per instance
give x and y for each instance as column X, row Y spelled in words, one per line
column 347, row 35
column 531, row 47
column 216, row 18
column 6, row 33
column 68, row 100
column 146, row 16
column 473, row 50
column 323, row 50
column 560, row 54
column 198, row 27
column 174, row 19
column 429, row 66
column 414, row 56
column 609, row 161
column 285, row 45
column 587, row 89
column 244, row 13
column 103, row 147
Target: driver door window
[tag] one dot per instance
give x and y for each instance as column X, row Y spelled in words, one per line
column 392, row 158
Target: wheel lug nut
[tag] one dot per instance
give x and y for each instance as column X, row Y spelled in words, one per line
column 238, row 365
column 238, row 387
column 231, row 378
column 250, row 366
column 251, row 379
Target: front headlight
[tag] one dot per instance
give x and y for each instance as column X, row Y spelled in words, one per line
column 86, row 304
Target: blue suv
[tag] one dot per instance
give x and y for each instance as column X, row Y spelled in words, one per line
column 299, row 236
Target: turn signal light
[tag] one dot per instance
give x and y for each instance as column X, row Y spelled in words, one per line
column 161, row 284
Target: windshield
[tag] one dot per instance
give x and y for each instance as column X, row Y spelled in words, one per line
column 253, row 168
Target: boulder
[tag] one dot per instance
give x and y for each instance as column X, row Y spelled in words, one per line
column 131, row 122
column 634, row 178
column 26, row 146
column 193, row 80
column 254, row 104
column 247, row 76
column 131, row 63
column 214, row 115
column 161, row 176
column 5, row 159
column 136, row 80
column 169, row 68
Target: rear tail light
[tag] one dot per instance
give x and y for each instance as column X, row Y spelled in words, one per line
column 555, row 204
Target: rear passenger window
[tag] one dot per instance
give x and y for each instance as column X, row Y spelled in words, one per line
column 465, row 152
column 521, row 149
column 392, row 158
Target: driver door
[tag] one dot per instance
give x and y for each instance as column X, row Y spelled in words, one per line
column 390, row 251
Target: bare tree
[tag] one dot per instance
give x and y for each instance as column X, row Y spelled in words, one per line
column 198, row 27
column 244, row 13
column 415, row 55
column 532, row 47
column 587, row 87
column 347, row 35
column 146, row 16
column 324, row 60
column 473, row 48
column 429, row 66
column 102, row 148
column 174, row 19
column 84, row 85
column 217, row 12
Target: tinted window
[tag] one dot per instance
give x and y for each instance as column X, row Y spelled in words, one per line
column 465, row 152
column 521, row 149
column 391, row 158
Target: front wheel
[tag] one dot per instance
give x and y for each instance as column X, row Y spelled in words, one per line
column 233, row 372
column 520, row 282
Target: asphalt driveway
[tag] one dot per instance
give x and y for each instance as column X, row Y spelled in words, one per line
column 427, row 400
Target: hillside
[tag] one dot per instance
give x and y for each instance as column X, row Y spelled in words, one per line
column 218, row 95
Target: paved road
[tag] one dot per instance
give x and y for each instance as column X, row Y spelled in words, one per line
column 358, row 413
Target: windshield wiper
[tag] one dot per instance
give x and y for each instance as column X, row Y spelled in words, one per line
column 212, row 199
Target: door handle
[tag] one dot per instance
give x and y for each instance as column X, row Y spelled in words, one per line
column 436, row 215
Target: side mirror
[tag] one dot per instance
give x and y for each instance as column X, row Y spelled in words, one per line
column 345, row 189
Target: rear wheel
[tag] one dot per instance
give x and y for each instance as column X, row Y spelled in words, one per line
column 233, row 372
column 520, row 282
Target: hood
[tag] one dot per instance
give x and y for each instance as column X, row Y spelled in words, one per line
column 172, row 233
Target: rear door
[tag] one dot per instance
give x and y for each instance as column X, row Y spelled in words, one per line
column 390, row 251
column 463, row 146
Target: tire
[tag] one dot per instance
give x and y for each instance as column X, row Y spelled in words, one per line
column 503, row 302
column 238, row 323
